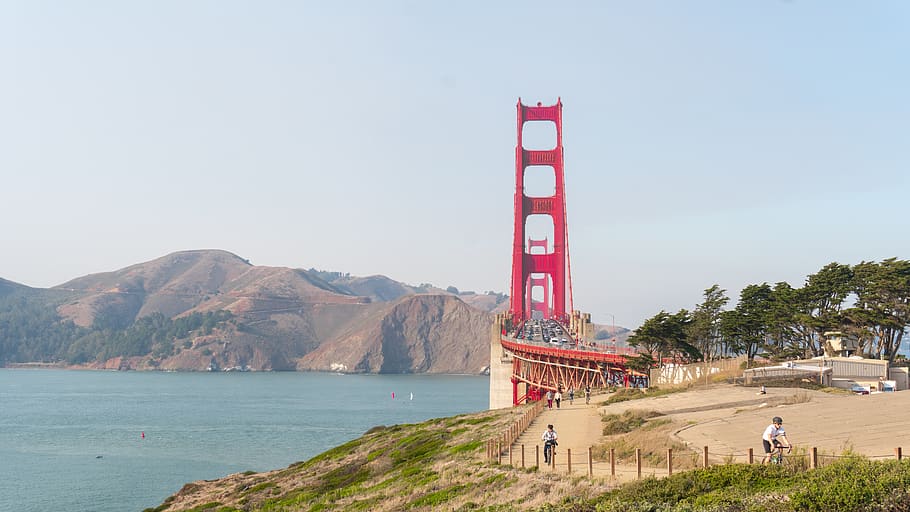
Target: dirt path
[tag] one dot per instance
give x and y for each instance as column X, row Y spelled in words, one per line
column 579, row 427
column 729, row 420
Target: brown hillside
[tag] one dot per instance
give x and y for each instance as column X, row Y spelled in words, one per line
column 170, row 285
column 421, row 333
column 285, row 319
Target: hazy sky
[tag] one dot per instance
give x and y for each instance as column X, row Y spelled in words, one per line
column 705, row 141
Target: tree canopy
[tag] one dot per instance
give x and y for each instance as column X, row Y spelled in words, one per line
column 868, row 303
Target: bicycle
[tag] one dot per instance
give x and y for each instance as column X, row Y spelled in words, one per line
column 777, row 453
column 777, row 456
column 549, row 450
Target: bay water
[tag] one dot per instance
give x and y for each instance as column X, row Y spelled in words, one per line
column 124, row 441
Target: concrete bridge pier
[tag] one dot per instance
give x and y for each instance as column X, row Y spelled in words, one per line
column 501, row 387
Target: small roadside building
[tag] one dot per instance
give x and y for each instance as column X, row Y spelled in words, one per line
column 839, row 368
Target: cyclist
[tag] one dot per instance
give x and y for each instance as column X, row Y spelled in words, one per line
column 774, row 438
column 549, row 438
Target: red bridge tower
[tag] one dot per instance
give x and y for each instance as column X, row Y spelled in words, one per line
column 527, row 268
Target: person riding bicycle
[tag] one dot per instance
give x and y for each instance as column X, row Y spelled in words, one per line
column 774, row 438
column 549, row 438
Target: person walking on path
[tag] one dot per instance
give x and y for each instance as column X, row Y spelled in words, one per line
column 587, row 395
column 572, row 396
column 558, row 398
column 549, row 438
column 549, row 399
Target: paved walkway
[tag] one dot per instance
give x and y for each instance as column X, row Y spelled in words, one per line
column 729, row 420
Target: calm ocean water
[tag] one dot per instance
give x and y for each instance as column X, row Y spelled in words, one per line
column 72, row 440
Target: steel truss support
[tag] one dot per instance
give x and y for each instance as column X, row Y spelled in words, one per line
column 543, row 369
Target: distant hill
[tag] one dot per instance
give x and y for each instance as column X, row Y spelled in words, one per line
column 210, row 309
column 7, row 287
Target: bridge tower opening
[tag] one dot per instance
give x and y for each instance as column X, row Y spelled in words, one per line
column 538, row 308
column 548, row 269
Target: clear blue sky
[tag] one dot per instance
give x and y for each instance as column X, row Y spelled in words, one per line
column 706, row 141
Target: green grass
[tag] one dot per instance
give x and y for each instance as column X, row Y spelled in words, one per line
column 258, row 488
column 344, row 476
column 851, row 484
column 466, row 447
column 293, row 500
column 336, row 452
column 418, row 446
column 464, row 420
column 437, row 498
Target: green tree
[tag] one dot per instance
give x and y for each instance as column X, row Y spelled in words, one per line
column 745, row 327
column 784, row 331
column 641, row 363
column 704, row 330
column 664, row 335
column 821, row 303
column 881, row 314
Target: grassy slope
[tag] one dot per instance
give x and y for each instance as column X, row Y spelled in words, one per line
column 439, row 465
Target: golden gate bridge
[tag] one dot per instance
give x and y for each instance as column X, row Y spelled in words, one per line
column 545, row 345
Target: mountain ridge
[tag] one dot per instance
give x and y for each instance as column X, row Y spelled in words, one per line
column 281, row 318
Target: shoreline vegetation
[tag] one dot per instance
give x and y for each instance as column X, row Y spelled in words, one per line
column 440, row 464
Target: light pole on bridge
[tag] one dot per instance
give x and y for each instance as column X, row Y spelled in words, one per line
column 613, row 334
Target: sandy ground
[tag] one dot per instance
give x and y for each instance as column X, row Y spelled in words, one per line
column 729, row 420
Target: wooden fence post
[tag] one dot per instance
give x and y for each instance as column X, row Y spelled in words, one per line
column 536, row 455
column 522, row 456
column 750, row 456
column 814, row 462
column 613, row 462
column 706, row 456
column 569, row 460
column 499, row 452
column 638, row 461
column 590, row 462
column 898, row 453
column 669, row 461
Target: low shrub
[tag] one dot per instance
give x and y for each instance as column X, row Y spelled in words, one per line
column 852, row 484
column 626, row 422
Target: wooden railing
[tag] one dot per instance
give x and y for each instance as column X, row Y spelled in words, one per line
column 513, row 432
